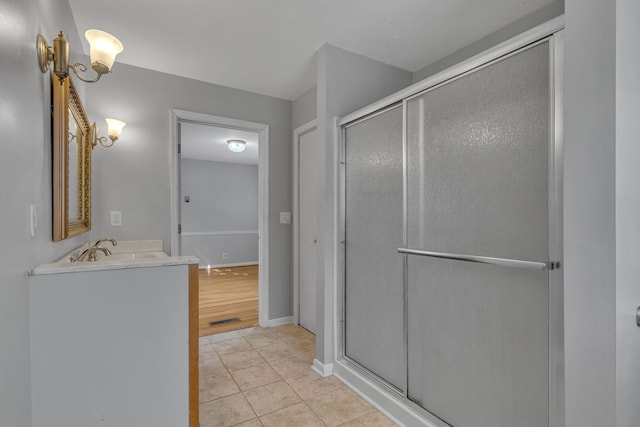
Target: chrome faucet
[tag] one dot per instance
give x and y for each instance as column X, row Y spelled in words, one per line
column 91, row 253
column 99, row 242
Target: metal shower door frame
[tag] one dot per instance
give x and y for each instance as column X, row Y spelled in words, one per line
column 552, row 33
column 341, row 336
column 555, row 197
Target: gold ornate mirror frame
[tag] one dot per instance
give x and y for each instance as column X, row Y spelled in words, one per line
column 70, row 167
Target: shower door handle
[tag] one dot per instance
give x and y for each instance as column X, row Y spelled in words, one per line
column 503, row 262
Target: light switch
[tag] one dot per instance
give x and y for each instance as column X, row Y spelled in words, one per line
column 285, row 217
column 33, row 217
column 116, row 218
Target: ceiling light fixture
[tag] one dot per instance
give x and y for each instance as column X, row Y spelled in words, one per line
column 103, row 50
column 236, row 145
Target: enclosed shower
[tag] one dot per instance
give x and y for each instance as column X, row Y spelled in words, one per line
column 451, row 214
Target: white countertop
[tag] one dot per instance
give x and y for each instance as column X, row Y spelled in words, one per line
column 126, row 254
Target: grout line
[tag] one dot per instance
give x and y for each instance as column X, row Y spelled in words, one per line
column 268, row 363
column 315, row 413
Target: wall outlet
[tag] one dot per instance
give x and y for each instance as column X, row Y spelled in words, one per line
column 116, row 218
column 224, row 255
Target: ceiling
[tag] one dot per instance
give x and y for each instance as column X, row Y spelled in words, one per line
column 204, row 142
column 269, row 46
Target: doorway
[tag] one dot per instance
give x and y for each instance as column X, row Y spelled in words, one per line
column 232, row 240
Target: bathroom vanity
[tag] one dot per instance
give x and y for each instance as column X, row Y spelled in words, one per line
column 114, row 341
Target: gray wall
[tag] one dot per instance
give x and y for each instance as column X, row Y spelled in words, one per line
column 589, row 214
column 223, row 197
column 511, row 30
column 346, row 82
column 25, row 178
column 627, row 213
column 133, row 176
column 304, row 108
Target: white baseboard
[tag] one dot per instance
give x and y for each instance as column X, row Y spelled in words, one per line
column 322, row 369
column 281, row 321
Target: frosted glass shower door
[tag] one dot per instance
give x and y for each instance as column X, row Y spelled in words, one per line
column 478, row 190
column 373, row 231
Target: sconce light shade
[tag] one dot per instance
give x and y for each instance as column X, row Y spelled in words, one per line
column 103, row 51
column 114, row 128
column 236, row 145
column 104, row 48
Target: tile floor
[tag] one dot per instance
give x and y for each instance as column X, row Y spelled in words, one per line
column 262, row 377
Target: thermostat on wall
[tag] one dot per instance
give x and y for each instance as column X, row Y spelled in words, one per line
column 285, row 217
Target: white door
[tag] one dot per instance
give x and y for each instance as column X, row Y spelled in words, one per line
column 309, row 155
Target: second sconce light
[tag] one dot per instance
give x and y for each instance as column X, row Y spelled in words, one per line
column 114, row 129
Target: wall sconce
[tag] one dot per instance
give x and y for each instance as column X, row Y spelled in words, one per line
column 236, row 145
column 103, row 50
column 114, row 129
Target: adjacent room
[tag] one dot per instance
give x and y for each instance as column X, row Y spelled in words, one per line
column 219, row 222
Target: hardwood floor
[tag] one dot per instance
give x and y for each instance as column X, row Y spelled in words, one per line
column 228, row 293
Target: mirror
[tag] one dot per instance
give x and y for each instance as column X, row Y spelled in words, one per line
column 71, row 155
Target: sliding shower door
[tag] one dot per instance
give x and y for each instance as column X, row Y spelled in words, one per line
column 373, row 232
column 477, row 248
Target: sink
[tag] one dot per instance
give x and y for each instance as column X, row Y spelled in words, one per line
column 126, row 254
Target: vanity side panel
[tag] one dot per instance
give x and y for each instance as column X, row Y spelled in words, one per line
column 110, row 348
column 194, row 349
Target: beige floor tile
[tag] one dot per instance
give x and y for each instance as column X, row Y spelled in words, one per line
column 339, row 406
column 372, row 419
column 256, row 330
column 211, row 366
column 271, row 397
column 293, row 416
column 255, row 376
column 291, row 366
column 297, row 333
column 304, row 347
column 251, row 423
column 216, row 387
column 261, row 340
column 207, row 351
column 311, row 385
column 226, row 412
column 223, row 336
column 237, row 385
column 241, row 360
column 234, row 345
column 310, row 354
column 279, row 351
column 290, row 327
